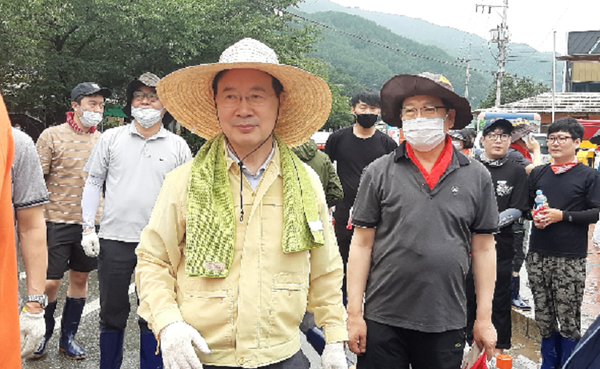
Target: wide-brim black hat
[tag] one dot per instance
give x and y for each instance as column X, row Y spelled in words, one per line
column 147, row 79
column 403, row 86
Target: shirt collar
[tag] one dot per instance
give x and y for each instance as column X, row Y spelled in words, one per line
column 236, row 160
column 162, row 132
column 400, row 153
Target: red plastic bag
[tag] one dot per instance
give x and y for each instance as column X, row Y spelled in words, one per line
column 475, row 359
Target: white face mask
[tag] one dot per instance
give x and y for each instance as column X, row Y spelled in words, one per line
column 89, row 119
column 424, row 134
column 146, row 117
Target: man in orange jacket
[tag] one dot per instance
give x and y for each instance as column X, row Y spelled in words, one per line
column 9, row 329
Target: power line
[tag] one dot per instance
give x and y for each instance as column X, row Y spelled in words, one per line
column 410, row 53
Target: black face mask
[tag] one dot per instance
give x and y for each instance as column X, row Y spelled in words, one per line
column 366, row 120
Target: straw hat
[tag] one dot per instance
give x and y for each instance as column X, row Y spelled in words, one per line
column 188, row 95
column 402, row 86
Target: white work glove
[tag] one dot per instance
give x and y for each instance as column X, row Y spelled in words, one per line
column 33, row 328
column 90, row 243
column 177, row 342
column 333, row 356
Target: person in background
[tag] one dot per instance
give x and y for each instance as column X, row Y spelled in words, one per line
column 239, row 245
column 131, row 161
column 9, row 311
column 469, row 142
column 63, row 150
column 320, row 163
column 520, row 152
column 556, row 261
column 352, row 149
column 419, row 214
column 28, row 198
column 511, row 189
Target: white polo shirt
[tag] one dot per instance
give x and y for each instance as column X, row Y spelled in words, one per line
column 133, row 168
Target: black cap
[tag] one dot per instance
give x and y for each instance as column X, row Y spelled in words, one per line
column 88, row 89
column 494, row 123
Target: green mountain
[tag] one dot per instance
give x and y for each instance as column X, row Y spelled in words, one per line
column 372, row 64
column 523, row 60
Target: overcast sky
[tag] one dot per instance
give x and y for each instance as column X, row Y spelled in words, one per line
column 530, row 22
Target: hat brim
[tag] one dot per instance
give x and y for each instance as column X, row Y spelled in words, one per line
column 402, row 86
column 522, row 130
column 188, row 95
column 104, row 92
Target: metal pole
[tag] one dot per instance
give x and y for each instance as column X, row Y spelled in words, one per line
column 553, row 75
column 502, row 42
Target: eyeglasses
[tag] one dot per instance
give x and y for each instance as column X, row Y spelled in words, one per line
column 560, row 139
column 139, row 95
column 493, row 137
column 234, row 100
column 426, row 111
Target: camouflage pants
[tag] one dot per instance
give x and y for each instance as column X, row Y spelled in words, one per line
column 557, row 284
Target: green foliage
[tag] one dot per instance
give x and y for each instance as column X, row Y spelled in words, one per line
column 513, row 89
column 49, row 46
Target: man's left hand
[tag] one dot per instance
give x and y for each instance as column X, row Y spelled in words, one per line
column 334, row 356
column 33, row 328
column 550, row 215
column 485, row 337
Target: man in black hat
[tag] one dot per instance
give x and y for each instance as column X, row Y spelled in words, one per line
column 418, row 215
column 510, row 185
column 63, row 150
column 132, row 162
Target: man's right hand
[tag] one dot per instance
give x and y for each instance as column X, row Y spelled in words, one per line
column 178, row 340
column 90, row 243
column 357, row 334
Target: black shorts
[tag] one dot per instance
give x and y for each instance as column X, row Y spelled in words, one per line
column 65, row 251
column 394, row 347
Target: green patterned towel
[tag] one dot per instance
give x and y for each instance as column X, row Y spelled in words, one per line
column 210, row 228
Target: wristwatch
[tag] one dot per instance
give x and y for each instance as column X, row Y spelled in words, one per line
column 42, row 299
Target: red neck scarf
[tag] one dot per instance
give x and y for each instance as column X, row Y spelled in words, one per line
column 74, row 125
column 523, row 151
column 440, row 166
column 561, row 168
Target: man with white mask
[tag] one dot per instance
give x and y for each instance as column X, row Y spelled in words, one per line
column 419, row 214
column 63, row 150
column 131, row 162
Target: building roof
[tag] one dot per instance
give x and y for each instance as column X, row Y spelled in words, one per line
column 584, row 43
column 564, row 102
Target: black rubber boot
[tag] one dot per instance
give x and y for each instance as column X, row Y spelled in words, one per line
column 69, row 325
column 148, row 357
column 111, row 348
column 50, row 323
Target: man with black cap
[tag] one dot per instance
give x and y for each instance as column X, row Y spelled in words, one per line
column 418, row 215
column 131, row 161
column 63, row 150
column 511, row 187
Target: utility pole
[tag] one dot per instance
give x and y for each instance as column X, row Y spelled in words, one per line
column 500, row 36
column 467, row 60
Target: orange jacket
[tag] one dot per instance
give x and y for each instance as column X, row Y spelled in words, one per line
column 10, row 349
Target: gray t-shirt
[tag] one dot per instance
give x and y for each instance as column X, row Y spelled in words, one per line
column 28, row 185
column 420, row 256
column 134, row 169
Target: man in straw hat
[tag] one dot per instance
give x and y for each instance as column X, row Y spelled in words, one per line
column 419, row 214
column 240, row 245
column 132, row 162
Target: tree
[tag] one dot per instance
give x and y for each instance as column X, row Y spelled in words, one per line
column 514, row 89
column 49, row 46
